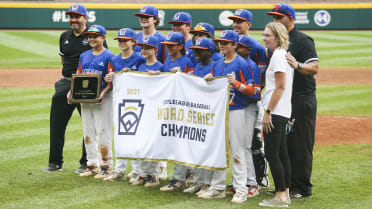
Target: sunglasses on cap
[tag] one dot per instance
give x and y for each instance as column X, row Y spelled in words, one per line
column 279, row 9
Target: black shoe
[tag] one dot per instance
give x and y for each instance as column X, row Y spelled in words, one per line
column 81, row 169
column 271, row 192
column 53, row 167
column 296, row 195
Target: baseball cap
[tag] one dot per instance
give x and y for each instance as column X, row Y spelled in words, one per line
column 149, row 41
column 228, row 35
column 242, row 14
column 174, row 38
column 203, row 43
column 203, row 28
column 181, row 17
column 77, row 9
column 245, row 41
column 283, row 10
column 148, row 11
column 96, row 29
column 126, row 33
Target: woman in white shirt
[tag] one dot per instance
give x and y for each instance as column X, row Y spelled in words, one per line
column 277, row 102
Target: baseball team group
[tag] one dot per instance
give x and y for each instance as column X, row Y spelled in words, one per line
column 284, row 114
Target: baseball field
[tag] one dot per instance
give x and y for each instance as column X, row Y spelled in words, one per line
column 30, row 64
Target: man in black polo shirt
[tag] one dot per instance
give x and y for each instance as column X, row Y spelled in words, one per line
column 72, row 43
column 303, row 58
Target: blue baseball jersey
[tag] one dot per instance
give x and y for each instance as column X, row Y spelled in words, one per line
column 258, row 55
column 256, row 74
column 202, row 70
column 240, row 67
column 182, row 62
column 95, row 64
column 161, row 54
column 132, row 62
column 187, row 45
column 215, row 57
column 155, row 67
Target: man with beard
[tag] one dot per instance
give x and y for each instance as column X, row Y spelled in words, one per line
column 72, row 43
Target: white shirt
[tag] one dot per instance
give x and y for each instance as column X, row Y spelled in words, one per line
column 278, row 63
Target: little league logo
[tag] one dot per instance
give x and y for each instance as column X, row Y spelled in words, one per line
column 176, row 16
column 130, row 113
column 322, row 18
column 122, row 31
column 198, row 42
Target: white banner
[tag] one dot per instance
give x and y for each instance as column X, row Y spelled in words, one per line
column 171, row 117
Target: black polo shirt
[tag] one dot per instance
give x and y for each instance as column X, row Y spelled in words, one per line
column 302, row 47
column 70, row 48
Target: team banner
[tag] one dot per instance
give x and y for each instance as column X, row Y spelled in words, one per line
column 171, row 117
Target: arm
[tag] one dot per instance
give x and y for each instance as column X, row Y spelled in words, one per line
column 310, row 68
column 62, row 60
column 103, row 93
column 243, row 87
column 275, row 98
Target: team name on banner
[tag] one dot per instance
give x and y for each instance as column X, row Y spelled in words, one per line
column 171, row 117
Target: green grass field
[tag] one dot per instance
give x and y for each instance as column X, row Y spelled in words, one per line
column 341, row 173
column 40, row 49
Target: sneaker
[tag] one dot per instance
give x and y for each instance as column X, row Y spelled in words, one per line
column 213, row 194
column 271, row 192
column 53, row 167
column 90, row 171
column 163, row 173
column 203, row 189
column 81, row 169
column 115, row 176
column 105, row 172
column 140, row 181
column 193, row 189
column 173, row 186
column 230, row 191
column 134, row 177
column 151, row 181
column 274, row 203
column 131, row 174
column 253, row 191
column 239, row 197
column 296, row 195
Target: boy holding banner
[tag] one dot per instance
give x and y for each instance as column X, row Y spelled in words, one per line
column 236, row 70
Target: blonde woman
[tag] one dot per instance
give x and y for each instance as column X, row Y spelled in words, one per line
column 277, row 103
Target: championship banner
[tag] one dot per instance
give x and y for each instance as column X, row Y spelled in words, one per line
column 171, row 117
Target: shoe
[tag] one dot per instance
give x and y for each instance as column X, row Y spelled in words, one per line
column 134, row 177
column 296, row 195
column 193, row 189
column 203, row 189
column 53, row 167
column 239, row 197
column 163, row 173
column 105, row 172
column 151, row 181
column 253, row 191
column 271, row 192
column 90, row 171
column 140, row 181
column 173, row 186
column 115, row 176
column 274, row 203
column 131, row 174
column 213, row 194
column 81, row 169
column 230, row 191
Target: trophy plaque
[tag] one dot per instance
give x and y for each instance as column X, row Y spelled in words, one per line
column 85, row 88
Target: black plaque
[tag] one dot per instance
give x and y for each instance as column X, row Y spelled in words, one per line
column 85, row 88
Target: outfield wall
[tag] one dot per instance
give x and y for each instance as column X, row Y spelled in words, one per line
column 114, row 16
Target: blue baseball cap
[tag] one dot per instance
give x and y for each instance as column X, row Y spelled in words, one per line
column 242, row 14
column 181, row 17
column 203, row 43
column 283, row 10
column 97, row 30
column 149, row 11
column 126, row 33
column 77, row 9
column 203, row 28
column 149, row 41
column 245, row 41
column 228, row 35
column 174, row 38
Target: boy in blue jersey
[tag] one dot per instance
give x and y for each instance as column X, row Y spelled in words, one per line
column 125, row 61
column 242, row 22
column 97, row 118
column 149, row 47
column 182, row 23
column 149, row 20
column 177, row 59
column 236, row 70
column 204, row 30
